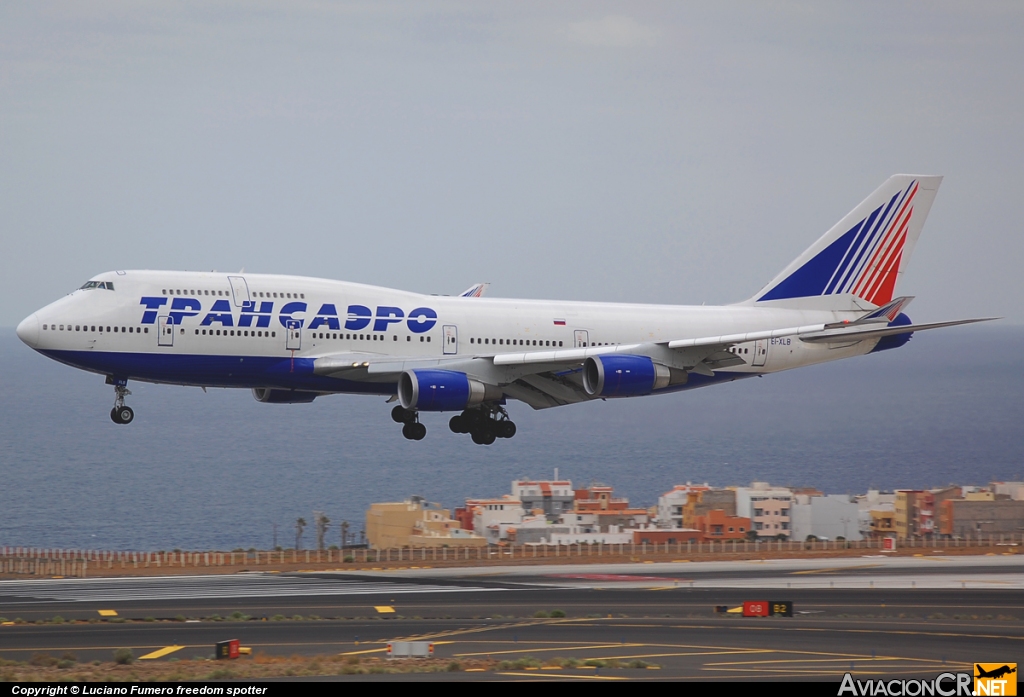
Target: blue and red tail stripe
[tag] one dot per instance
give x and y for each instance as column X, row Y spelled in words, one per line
column 864, row 261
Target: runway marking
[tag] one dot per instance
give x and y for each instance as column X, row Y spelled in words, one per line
column 94, row 648
column 359, row 653
column 384, row 609
column 161, row 652
column 833, row 569
column 207, row 587
column 570, row 677
column 820, row 660
column 790, row 672
column 687, row 653
column 107, row 613
column 474, row 630
column 764, row 628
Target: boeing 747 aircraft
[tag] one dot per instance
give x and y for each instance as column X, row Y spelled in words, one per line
column 292, row 339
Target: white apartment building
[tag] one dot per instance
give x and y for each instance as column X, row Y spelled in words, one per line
column 826, row 517
column 489, row 515
column 672, row 502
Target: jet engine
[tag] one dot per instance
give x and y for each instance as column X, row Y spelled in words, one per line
column 272, row 396
column 623, row 376
column 442, row 390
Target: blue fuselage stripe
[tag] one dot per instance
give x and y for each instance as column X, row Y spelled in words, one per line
column 259, row 371
column 215, row 371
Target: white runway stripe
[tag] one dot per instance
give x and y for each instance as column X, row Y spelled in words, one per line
column 121, row 590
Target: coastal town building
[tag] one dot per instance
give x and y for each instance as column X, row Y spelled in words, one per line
column 1013, row 490
column 978, row 516
column 903, row 518
column 875, row 512
column 767, row 507
column 415, row 522
column 551, row 498
column 825, row 516
column 672, row 502
column 718, row 525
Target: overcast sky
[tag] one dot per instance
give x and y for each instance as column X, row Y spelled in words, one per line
column 650, row 152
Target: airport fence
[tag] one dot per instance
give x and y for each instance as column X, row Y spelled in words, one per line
column 76, row 563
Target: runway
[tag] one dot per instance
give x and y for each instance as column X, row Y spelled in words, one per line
column 959, row 611
column 205, row 587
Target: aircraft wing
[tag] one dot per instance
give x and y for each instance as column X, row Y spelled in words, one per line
column 553, row 378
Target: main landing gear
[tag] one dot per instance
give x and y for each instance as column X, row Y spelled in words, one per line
column 484, row 424
column 413, row 429
column 121, row 413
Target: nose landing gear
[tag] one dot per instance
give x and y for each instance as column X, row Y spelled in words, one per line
column 484, row 424
column 121, row 413
column 412, row 428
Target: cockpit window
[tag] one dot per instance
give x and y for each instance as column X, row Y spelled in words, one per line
column 108, row 285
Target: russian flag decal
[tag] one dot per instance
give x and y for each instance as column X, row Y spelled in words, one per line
column 559, row 322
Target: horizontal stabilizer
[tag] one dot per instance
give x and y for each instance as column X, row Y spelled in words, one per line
column 860, row 333
column 887, row 312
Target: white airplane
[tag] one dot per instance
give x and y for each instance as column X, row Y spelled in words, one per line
column 291, row 339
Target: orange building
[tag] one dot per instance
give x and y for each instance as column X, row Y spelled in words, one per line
column 598, row 497
column 883, row 522
column 718, row 525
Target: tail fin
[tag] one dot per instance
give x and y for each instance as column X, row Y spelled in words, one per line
column 857, row 263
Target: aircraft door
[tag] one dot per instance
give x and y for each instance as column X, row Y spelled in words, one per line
column 760, row 353
column 294, row 331
column 451, row 339
column 239, row 290
column 165, row 331
column 580, row 338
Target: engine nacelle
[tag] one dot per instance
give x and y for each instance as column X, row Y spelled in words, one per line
column 442, row 390
column 623, row 376
column 894, row 340
column 271, row 396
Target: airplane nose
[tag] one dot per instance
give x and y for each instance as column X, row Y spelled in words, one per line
column 28, row 330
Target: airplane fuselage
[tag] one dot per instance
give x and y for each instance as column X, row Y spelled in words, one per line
column 264, row 331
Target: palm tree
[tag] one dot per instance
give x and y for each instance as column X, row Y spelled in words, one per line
column 322, row 524
column 300, row 525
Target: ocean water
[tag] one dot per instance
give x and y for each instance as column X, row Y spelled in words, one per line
column 218, row 470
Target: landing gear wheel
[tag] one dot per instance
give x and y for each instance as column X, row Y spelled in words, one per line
column 484, row 423
column 414, row 430
column 401, row 415
column 483, row 435
column 120, row 414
